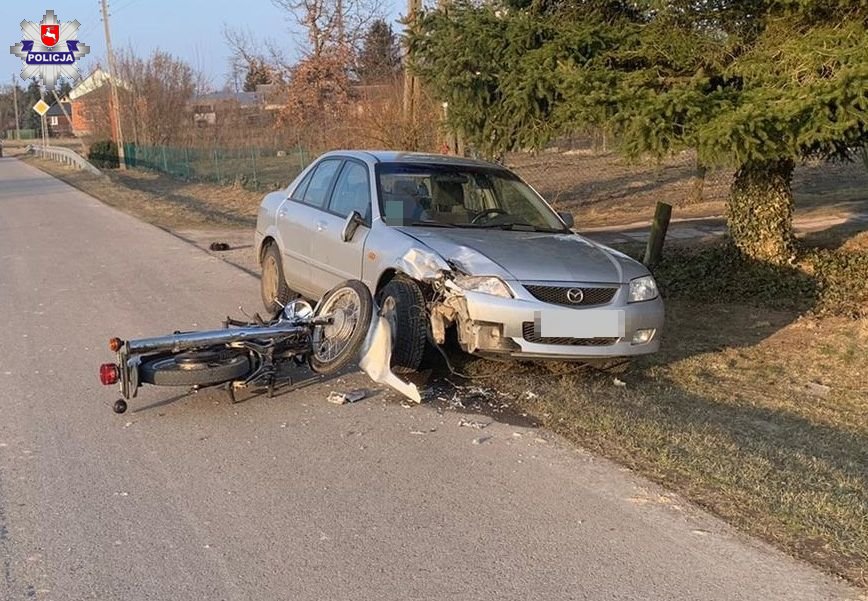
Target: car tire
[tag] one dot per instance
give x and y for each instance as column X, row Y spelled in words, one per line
column 272, row 283
column 409, row 323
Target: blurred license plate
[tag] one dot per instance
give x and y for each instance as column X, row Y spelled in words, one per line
column 579, row 323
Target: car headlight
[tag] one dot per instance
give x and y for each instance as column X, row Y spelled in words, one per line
column 487, row 284
column 642, row 289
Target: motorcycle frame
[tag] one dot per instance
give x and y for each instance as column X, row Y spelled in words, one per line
column 259, row 340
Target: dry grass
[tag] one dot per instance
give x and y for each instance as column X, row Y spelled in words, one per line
column 603, row 189
column 757, row 415
column 163, row 200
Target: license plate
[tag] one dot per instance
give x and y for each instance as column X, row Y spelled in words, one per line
column 580, row 323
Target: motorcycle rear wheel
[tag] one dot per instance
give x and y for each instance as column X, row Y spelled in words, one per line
column 197, row 368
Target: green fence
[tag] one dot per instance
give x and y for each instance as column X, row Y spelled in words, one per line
column 255, row 168
column 26, row 134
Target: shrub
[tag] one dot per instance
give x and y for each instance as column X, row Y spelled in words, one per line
column 104, row 154
column 827, row 282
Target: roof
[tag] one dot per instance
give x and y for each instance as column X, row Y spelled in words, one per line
column 242, row 98
column 397, row 156
column 56, row 110
column 92, row 82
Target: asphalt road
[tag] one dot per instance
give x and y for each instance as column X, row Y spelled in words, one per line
column 291, row 497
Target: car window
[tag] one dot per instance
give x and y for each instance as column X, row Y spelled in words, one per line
column 320, row 182
column 352, row 191
column 298, row 192
column 459, row 196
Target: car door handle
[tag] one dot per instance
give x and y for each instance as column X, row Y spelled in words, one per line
column 321, row 226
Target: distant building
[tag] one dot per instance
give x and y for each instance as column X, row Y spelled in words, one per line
column 238, row 108
column 90, row 105
column 59, row 125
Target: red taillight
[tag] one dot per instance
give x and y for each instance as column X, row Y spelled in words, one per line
column 108, row 374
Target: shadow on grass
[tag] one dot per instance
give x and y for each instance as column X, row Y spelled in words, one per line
column 169, row 191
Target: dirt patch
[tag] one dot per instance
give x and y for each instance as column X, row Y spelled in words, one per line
column 603, row 189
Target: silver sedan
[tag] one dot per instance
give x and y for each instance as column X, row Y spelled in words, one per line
column 458, row 248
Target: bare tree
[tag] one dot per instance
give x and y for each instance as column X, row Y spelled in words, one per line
column 156, row 93
column 330, row 24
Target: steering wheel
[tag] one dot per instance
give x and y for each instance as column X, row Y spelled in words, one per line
column 492, row 211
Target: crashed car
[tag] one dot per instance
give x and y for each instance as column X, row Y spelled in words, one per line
column 455, row 245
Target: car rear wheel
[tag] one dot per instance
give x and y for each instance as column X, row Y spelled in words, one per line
column 272, row 285
column 408, row 320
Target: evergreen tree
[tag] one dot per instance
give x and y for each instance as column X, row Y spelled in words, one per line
column 258, row 73
column 380, row 57
column 755, row 85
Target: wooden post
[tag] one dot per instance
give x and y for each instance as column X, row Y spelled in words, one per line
column 662, row 214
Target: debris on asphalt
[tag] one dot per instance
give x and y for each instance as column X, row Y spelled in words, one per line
column 341, row 398
column 481, row 440
column 469, row 423
column 619, row 383
column 218, row 246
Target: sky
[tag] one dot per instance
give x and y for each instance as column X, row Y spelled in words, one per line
column 190, row 29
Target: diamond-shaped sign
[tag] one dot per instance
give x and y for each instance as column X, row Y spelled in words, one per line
column 41, row 107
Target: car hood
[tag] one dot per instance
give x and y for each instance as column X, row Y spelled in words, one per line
column 524, row 256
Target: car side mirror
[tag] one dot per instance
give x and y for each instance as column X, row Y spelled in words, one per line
column 354, row 220
column 567, row 218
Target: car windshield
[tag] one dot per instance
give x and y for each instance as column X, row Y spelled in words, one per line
column 435, row 195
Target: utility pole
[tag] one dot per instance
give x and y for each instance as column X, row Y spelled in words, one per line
column 115, row 103
column 42, row 120
column 411, row 82
column 15, row 102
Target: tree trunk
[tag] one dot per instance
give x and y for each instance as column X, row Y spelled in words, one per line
column 697, row 184
column 760, row 210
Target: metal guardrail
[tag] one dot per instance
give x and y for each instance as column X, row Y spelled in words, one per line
column 63, row 155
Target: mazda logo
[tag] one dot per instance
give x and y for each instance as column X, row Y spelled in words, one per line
column 575, row 295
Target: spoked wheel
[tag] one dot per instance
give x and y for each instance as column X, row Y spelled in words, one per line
column 337, row 344
column 195, row 368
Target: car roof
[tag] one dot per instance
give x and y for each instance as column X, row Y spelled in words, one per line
column 396, row 156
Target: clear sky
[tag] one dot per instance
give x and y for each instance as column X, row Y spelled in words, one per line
column 191, row 29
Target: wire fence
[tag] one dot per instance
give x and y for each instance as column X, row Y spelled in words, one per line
column 253, row 167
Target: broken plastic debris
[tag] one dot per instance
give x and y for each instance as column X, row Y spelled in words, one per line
column 472, row 424
column 340, row 398
column 376, row 357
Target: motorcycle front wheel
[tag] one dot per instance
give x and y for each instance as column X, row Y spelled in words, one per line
column 195, row 368
column 337, row 344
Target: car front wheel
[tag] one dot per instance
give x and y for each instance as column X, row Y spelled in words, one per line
column 408, row 320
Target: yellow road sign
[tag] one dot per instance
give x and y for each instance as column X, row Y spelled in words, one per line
column 41, row 107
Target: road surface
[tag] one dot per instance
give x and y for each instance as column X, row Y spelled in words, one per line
column 291, row 497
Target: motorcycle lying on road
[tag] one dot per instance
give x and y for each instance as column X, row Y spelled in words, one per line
column 256, row 354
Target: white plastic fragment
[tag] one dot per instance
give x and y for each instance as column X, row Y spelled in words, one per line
column 340, row 398
column 376, row 357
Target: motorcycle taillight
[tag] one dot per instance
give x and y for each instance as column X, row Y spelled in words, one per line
column 108, row 374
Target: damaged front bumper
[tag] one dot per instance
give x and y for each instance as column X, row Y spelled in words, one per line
column 516, row 327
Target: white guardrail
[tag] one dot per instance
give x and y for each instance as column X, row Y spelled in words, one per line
column 63, row 155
